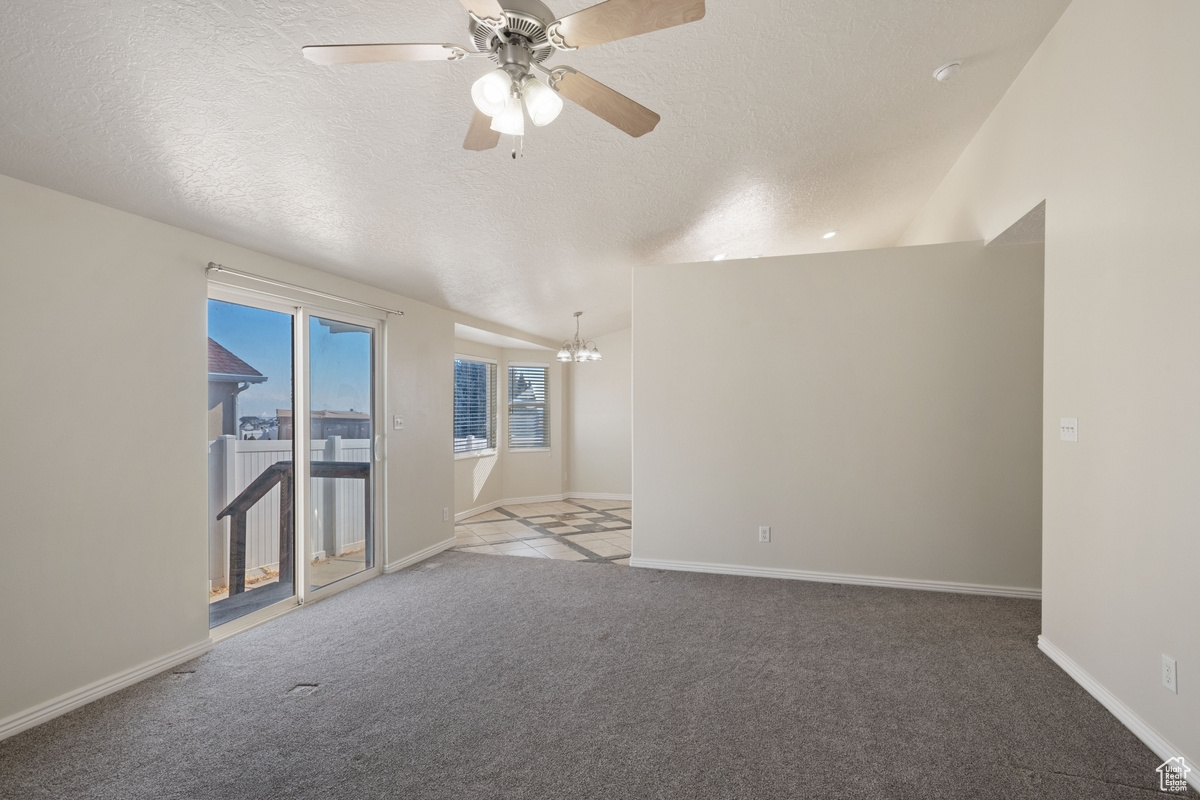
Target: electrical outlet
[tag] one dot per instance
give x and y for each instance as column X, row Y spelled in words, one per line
column 1169, row 677
column 764, row 533
column 1068, row 429
column 398, row 423
column 445, row 515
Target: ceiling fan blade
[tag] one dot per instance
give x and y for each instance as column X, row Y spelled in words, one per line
column 608, row 104
column 487, row 11
column 620, row 19
column 379, row 53
column 481, row 136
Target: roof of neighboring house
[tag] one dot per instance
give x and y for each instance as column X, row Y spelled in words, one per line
column 224, row 365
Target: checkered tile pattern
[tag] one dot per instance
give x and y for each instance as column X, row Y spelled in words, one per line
column 571, row 530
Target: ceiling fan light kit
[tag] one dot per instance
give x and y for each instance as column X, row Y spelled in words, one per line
column 518, row 37
column 497, row 95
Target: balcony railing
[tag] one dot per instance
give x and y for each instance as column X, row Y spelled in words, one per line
column 281, row 474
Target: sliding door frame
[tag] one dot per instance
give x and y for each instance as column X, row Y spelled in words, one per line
column 378, row 462
column 302, row 312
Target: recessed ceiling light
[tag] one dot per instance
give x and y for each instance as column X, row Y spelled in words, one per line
column 830, row 235
column 947, row 72
column 720, row 256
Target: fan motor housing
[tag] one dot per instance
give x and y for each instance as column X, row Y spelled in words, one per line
column 527, row 23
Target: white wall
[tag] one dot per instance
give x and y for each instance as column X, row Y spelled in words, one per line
column 601, row 420
column 1102, row 124
column 103, row 331
column 483, row 481
column 878, row 409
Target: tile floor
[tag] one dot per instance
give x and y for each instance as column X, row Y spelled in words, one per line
column 571, row 530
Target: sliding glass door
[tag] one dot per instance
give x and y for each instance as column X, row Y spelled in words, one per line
column 251, row 535
column 341, row 359
column 293, row 499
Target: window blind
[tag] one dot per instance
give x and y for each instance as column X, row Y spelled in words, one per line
column 474, row 405
column 528, row 415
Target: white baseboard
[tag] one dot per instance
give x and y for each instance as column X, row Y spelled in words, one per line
column 44, row 712
column 470, row 512
column 1124, row 714
column 420, row 555
column 546, row 498
column 831, row 577
column 521, row 501
column 599, row 496
column 511, row 501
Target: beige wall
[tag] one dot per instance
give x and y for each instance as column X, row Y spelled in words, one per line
column 1102, row 124
column 601, row 420
column 420, row 457
column 104, row 535
column 481, row 481
column 880, row 410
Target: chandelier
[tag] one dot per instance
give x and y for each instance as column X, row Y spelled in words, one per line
column 576, row 349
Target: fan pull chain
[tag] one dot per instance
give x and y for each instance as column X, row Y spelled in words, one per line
column 518, row 144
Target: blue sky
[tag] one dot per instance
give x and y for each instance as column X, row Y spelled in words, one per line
column 340, row 362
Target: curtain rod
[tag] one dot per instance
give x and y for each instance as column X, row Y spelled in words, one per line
column 215, row 267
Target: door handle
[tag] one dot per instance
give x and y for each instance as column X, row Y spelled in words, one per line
column 378, row 451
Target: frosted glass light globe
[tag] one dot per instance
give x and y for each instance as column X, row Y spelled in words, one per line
column 511, row 120
column 542, row 102
column 491, row 92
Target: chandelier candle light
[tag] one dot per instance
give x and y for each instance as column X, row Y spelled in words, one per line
column 576, row 349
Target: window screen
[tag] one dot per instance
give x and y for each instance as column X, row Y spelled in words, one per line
column 474, row 405
column 528, row 417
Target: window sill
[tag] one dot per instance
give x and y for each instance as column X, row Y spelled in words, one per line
column 529, row 449
column 475, row 454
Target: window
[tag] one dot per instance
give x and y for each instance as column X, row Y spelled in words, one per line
column 474, row 405
column 528, row 418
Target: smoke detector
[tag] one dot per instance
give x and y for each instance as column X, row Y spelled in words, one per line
column 947, row 72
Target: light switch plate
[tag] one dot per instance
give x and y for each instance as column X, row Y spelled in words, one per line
column 1068, row 429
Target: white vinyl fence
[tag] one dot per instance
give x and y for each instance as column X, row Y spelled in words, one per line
column 337, row 521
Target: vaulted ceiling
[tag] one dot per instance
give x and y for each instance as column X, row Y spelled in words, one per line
column 781, row 120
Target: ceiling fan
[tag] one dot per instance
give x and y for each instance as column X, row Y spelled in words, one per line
column 518, row 37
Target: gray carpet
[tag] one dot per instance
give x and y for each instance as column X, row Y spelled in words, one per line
column 477, row 676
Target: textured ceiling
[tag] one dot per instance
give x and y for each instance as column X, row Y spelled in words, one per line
column 1029, row 229
column 780, row 121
